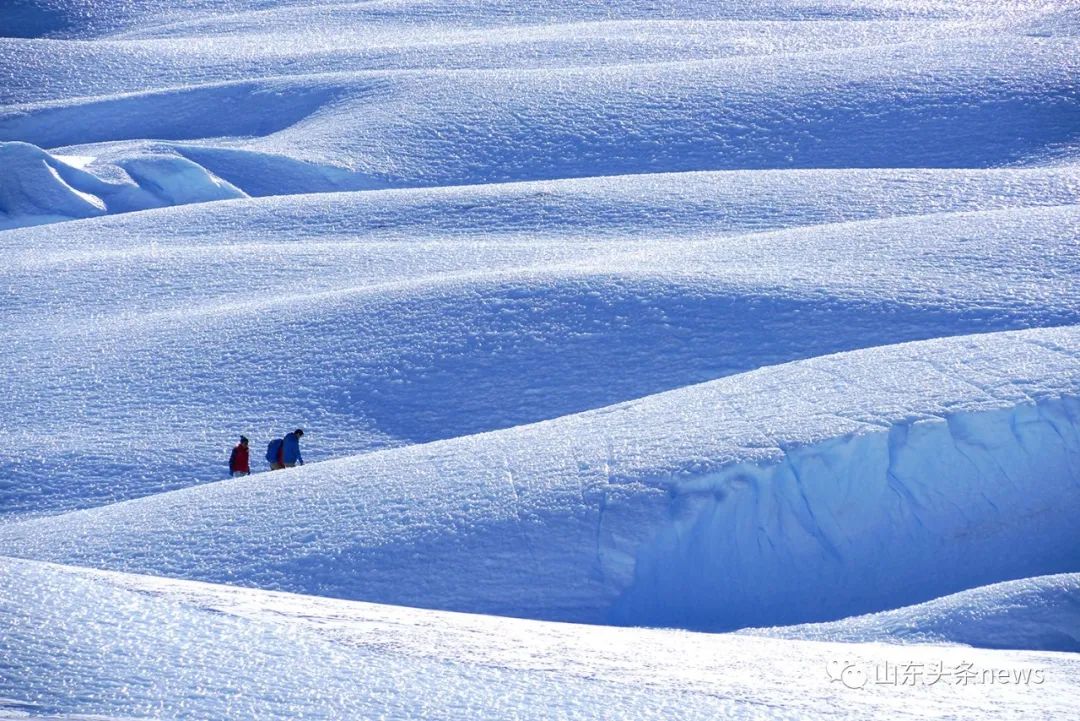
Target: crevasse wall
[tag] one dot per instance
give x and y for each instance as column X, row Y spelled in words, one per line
column 865, row 523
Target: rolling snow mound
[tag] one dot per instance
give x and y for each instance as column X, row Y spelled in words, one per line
column 380, row 333
column 203, row 651
column 684, row 314
column 282, row 98
column 1032, row 613
column 801, row 492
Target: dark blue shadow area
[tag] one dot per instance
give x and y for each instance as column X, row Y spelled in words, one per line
column 371, row 371
column 250, row 108
column 33, row 19
column 523, row 354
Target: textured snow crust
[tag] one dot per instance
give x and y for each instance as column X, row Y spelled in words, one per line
column 207, row 18
column 711, row 315
column 343, row 132
column 78, row 635
column 800, row 492
column 1031, row 613
column 374, row 330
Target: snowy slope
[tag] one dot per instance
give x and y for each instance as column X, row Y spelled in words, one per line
column 799, row 492
column 208, row 18
column 375, row 327
column 683, row 314
column 1033, row 613
column 349, row 132
column 312, row 99
column 130, row 646
column 35, row 187
column 42, row 188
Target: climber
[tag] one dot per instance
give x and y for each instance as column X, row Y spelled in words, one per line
column 290, row 449
column 238, row 459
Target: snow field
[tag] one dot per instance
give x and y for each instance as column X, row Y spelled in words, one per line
column 694, row 315
column 712, row 506
column 265, row 114
column 198, row 651
column 397, row 334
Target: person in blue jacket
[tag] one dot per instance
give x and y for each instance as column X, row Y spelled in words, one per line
column 290, row 449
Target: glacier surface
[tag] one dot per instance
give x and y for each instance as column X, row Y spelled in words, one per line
column 756, row 316
column 122, row 646
column 800, row 492
column 1030, row 613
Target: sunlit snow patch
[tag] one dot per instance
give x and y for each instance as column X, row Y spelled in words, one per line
column 74, row 641
column 37, row 187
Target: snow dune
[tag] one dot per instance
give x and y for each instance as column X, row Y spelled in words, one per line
column 42, row 188
column 371, row 130
column 76, row 635
column 687, row 314
column 1033, row 613
column 799, row 492
column 689, row 88
column 416, row 337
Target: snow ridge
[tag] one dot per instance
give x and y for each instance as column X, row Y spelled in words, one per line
column 174, row 644
column 470, row 96
column 703, row 521
column 686, row 314
column 1032, row 613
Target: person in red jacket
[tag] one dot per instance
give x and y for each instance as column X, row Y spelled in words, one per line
column 238, row 461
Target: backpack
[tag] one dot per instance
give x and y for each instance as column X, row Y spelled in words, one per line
column 273, row 450
column 232, row 460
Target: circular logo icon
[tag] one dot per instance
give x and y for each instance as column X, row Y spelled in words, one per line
column 848, row 673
